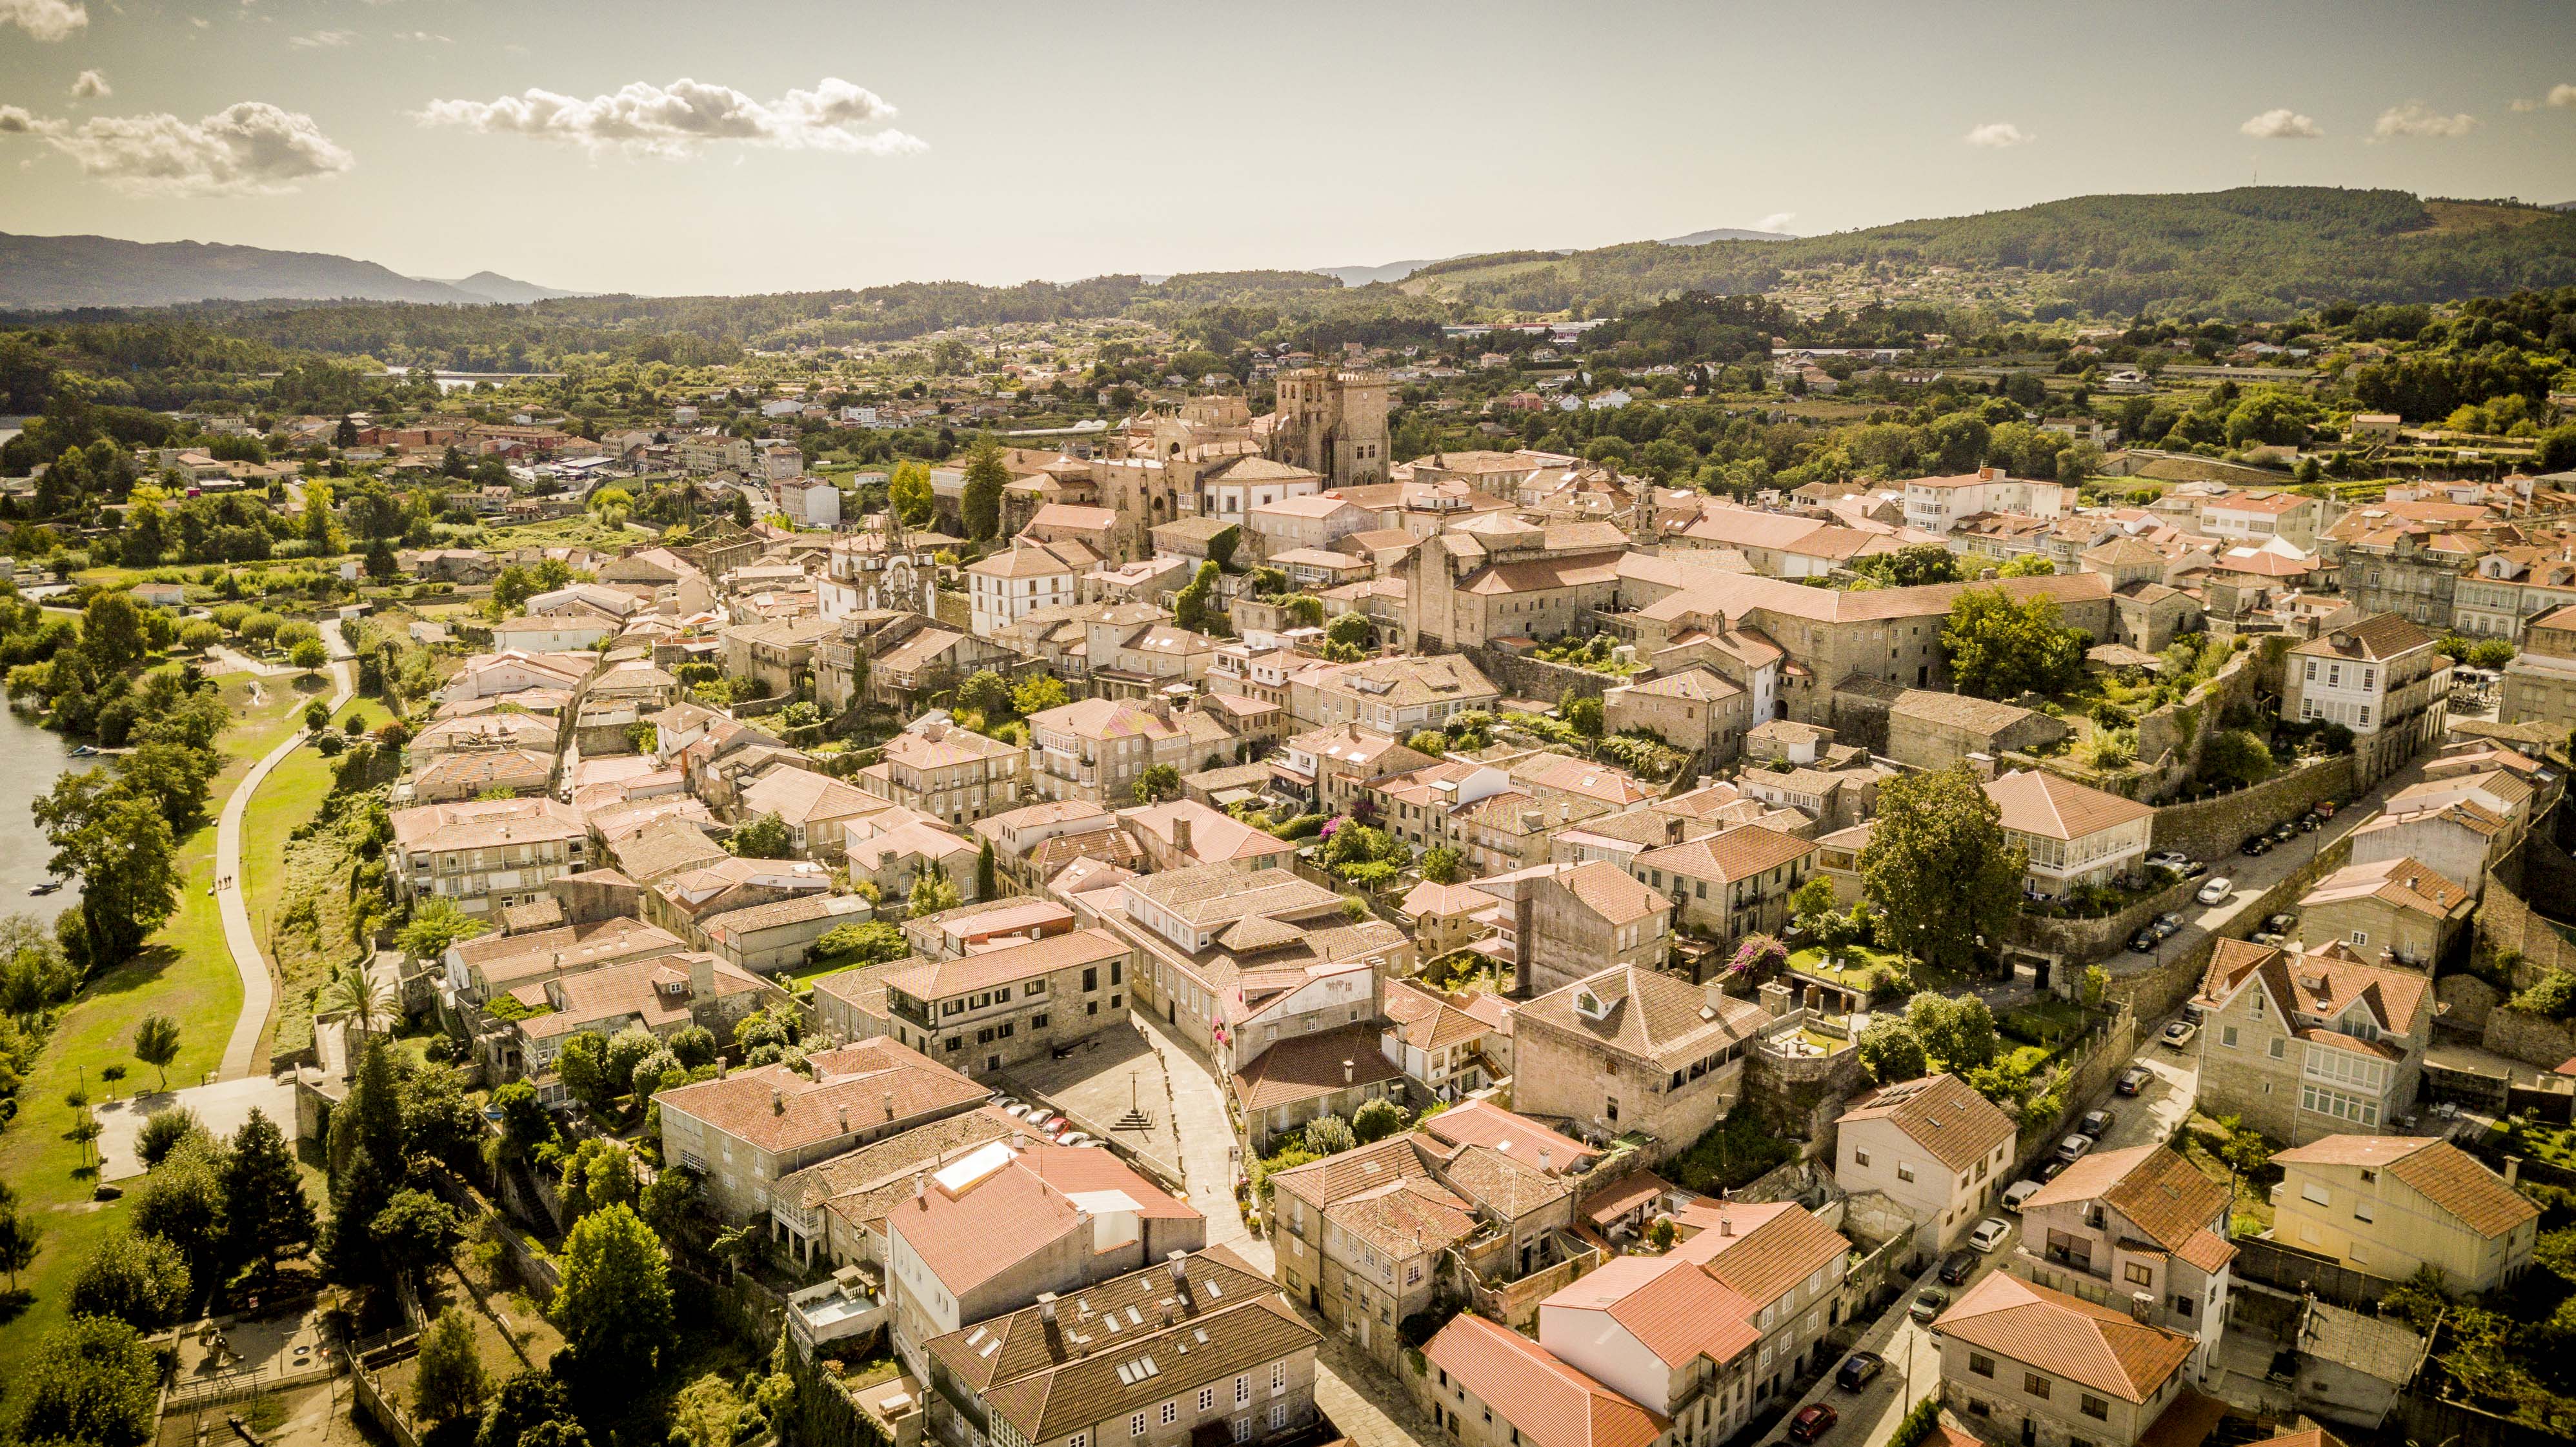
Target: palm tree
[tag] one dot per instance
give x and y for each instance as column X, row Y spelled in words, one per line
column 351, row 988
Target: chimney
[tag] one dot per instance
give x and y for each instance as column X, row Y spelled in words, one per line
column 1708, row 781
column 921, row 1190
column 844, row 1114
column 1046, row 1307
column 1725, row 1224
column 934, row 732
column 702, row 977
column 1180, row 1267
column 1181, row 834
column 2512, row 1169
column 1547, row 1159
column 1348, row 1072
column 889, row 1105
column 1673, row 829
column 777, row 1101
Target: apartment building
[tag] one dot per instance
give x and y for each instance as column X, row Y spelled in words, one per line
column 2259, row 516
column 1788, row 1269
column 2314, row 1042
column 1937, row 504
column 486, row 855
column 984, row 1012
column 2140, row 1230
column 1488, row 1386
column 1397, row 696
column 2540, row 682
column 1019, row 835
column 1580, row 918
column 1216, row 941
column 1675, row 1344
column 1360, row 1236
column 1934, row 1146
column 1732, row 883
column 819, row 810
column 1193, row 1350
column 2073, row 837
column 476, row 970
column 1633, row 1049
column 2380, row 678
column 1094, row 749
column 2389, row 1206
column 2051, row 1370
column 1029, row 575
column 744, row 1132
column 948, row 773
column 2392, row 912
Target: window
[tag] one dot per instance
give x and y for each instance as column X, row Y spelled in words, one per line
column 2033, row 1384
column 1207, row 1399
column 2227, row 1037
column 1136, row 1425
column 2095, row 1408
column 2139, row 1275
column 1279, row 1416
column 2277, row 1043
column 1078, row 1439
column 2182, row 1306
column 2313, row 1193
column 1171, row 1412
column 1905, row 1173
column 1242, row 1388
column 1983, row 1366
column 1243, row 1429
column 1036, row 1022
column 1278, row 1378
column 2361, row 937
column 2361, row 1211
column 1860, row 1158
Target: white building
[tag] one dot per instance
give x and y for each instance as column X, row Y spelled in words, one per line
column 1935, row 504
column 1933, row 1146
column 1008, row 586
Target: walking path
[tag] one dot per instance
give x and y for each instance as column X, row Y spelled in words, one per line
column 259, row 990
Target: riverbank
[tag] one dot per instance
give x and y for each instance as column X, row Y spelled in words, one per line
column 37, row 756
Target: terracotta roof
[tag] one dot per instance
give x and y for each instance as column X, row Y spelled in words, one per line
column 943, row 979
column 777, row 1108
column 1304, row 1067
column 2320, row 982
column 2449, row 1177
column 2033, row 802
column 1608, row 891
column 1618, row 1197
column 1548, row 1402
column 2403, row 882
column 2379, row 637
column 1483, row 1123
column 1648, row 1013
column 1940, row 1113
column 1958, row 710
column 1424, row 1020
column 1321, row 1183
column 2093, row 1346
column 1672, row 1308
column 2162, row 1193
column 2207, row 1250
column 1762, row 1251
column 1697, row 684
column 1739, row 853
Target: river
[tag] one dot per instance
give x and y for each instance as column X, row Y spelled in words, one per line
column 37, row 756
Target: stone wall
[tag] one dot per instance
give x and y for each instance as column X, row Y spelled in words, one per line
column 1798, row 1097
column 2213, row 828
column 2081, row 940
column 2155, row 990
column 2509, row 931
column 2466, row 1002
column 1521, row 676
column 2533, row 1039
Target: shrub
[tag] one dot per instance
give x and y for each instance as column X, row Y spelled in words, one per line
column 1329, row 1135
column 2552, row 996
column 162, row 1131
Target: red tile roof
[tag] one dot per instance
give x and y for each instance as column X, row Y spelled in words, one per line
column 1550, row 1403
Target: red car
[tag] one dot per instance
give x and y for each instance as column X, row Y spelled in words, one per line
column 1813, row 1421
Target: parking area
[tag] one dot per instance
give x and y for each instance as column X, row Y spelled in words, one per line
column 1105, row 1085
column 1913, row 1362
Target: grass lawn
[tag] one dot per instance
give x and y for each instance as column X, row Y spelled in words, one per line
column 2045, row 1020
column 187, row 974
column 1858, row 964
column 290, row 795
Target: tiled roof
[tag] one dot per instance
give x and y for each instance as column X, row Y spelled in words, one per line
column 1648, row 1013
column 943, row 979
column 2093, row 1346
column 777, row 1108
column 2403, row 882
column 1321, row 1183
column 503, row 961
column 2162, row 1193
column 1483, row 1123
column 1548, row 1402
column 1940, row 1113
column 1404, row 1217
column 1761, row 1251
column 1304, row 1067
column 2321, row 982
column 2034, row 802
column 1957, row 710
column 2379, row 637
column 1208, row 894
column 2449, row 1177
column 1735, row 854
column 1676, row 1310
column 1425, row 1021
column 1608, row 891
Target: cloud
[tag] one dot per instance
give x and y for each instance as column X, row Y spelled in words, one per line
column 1776, row 221
column 44, row 19
column 248, row 149
column 2560, row 97
column 1999, row 134
column 90, row 84
column 675, row 120
column 421, row 37
column 2418, row 119
column 2282, row 124
column 323, row 39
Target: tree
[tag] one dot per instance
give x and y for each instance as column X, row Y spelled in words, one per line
column 1758, row 958
column 182, row 1202
column 1938, row 867
column 137, row 1278
column 1191, row 606
column 92, row 1381
column 382, row 565
column 436, row 923
column 112, row 633
column 985, row 478
column 1810, row 902
column 932, row 892
column 412, row 1230
column 266, row 1213
column 614, row 1306
column 199, row 634
column 909, row 493
column 2235, row 758
column 119, row 846
column 351, row 988
column 156, row 1043
column 309, row 655
column 763, row 836
column 1443, row 864
column 582, row 1064
column 599, row 1174
column 1583, row 712
column 449, row 1381
column 528, row 1400
column 2028, row 565
column 1351, row 630
column 1376, row 1120
column 1157, row 782
column 1037, row 693
column 161, row 1133
column 1892, row 1052
column 2002, row 648
column 988, row 884
column 2244, row 1150
column 987, row 693
column 1329, row 1134
column 1959, row 1033
column 1912, row 566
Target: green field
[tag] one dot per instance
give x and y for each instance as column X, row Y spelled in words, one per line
column 187, row 974
column 290, row 796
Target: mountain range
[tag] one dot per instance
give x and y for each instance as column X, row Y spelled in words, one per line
column 1393, row 271
column 55, row 273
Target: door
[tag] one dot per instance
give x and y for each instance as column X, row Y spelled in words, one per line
column 2029, row 1432
column 1364, row 1333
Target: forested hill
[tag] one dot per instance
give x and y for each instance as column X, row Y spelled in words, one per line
column 47, row 272
column 2254, row 252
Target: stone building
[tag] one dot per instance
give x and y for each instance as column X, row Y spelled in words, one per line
column 1633, row 1049
column 2051, row 1370
column 1332, row 423
column 2308, row 1043
column 2540, row 682
column 948, row 773
column 2397, row 911
column 2380, row 678
column 1930, row 730
column 2140, row 1229
column 1729, row 884
column 1695, row 710
column 985, row 1012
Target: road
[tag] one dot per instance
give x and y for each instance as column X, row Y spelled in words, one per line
column 259, row 988
column 1913, row 1368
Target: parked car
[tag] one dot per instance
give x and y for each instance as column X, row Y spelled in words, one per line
column 2326, row 808
column 2096, row 1123
column 2179, row 1033
column 2216, row 890
column 1928, row 1304
column 2145, row 941
column 1990, row 1233
column 1017, row 1111
column 2280, row 924
column 2259, row 844
column 2195, row 870
column 2172, row 859
column 1957, row 1267
column 2052, row 1170
column 1073, row 1138
column 2308, row 823
column 2168, row 925
column 2284, row 832
column 2265, row 938
column 2072, row 1149
column 1813, row 1421
column 2018, row 1192
column 1858, row 1369
column 2133, row 1080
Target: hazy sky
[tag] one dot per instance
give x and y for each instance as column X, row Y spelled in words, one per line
column 845, row 144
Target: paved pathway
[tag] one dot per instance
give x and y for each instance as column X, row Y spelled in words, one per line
column 259, row 988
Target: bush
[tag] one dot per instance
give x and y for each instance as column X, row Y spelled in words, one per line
column 1734, row 1152
column 1376, row 1121
column 162, row 1131
column 2552, row 997
column 1329, row 1135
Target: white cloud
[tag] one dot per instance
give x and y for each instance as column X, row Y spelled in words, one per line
column 2282, row 124
column 2418, row 119
column 248, row 149
column 323, row 39
column 2560, row 97
column 89, row 84
column 1776, row 221
column 1999, row 134
column 677, row 119
column 421, row 37
column 44, row 19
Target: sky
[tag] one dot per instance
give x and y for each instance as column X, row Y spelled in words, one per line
column 670, row 149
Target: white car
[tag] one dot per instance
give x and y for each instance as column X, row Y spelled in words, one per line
column 2018, row 1192
column 2072, row 1149
column 1990, row 1233
column 2179, row 1033
column 2216, row 890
